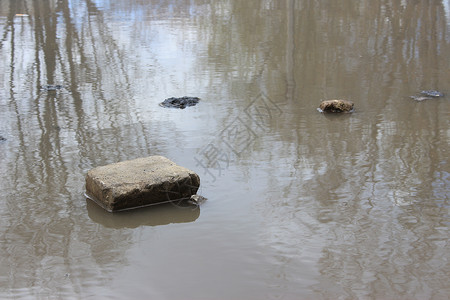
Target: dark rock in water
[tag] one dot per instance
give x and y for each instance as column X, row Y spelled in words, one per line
column 52, row 87
column 336, row 106
column 432, row 93
column 182, row 102
column 2, row 139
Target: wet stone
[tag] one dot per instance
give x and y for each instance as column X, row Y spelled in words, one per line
column 52, row 87
column 2, row 139
column 140, row 182
column 336, row 106
column 182, row 102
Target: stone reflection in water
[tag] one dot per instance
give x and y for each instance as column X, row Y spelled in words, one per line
column 163, row 214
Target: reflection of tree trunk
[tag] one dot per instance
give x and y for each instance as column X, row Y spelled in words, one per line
column 290, row 50
column 72, row 39
column 41, row 171
column 45, row 34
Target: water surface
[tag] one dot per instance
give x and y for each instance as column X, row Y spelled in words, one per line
column 301, row 205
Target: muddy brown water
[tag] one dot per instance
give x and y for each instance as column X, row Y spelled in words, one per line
column 300, row 205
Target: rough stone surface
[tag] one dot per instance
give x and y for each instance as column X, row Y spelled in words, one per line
column 140, row 182
column 336, row 106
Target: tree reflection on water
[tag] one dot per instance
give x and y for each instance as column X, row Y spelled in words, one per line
column 353, row 206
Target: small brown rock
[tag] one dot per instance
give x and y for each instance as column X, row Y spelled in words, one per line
column 336, row 106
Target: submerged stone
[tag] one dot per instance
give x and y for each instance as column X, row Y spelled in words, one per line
column 427, row 95
column 52, row 87
column 197, row 200
column 336, row 106
column 140, row 182
column 432, row 93
column 182, row 102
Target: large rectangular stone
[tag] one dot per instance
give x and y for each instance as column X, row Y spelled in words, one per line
column 140, row 182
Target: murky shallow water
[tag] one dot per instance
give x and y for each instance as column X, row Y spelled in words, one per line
column 301, row 204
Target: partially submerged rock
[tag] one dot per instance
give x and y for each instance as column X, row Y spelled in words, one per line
column 52, row 87
column 140, row 182
column 197, row 200
column 336, row 106
column 182, row 102
column 432, row 93
column 427, row 95
column 2, row 139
